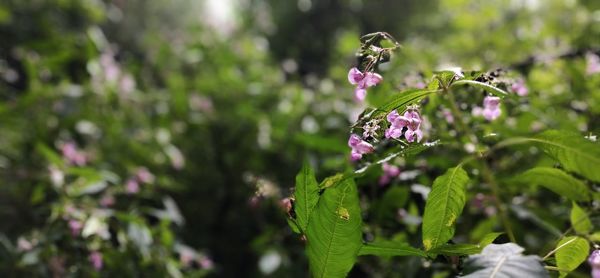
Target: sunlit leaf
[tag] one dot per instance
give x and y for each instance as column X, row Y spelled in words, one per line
column 579, row 220
column 487, row 87
column 334, row 234
column 570, row 253
column 444, row 205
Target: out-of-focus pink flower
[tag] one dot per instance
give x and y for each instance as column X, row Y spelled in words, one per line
column 127, row 84
column 519, row 88
column 95, row 258
column 205, row 262
column 144, row 176
column 491, row 108
column 448, row 115
column 57, row 177
column 389, row 172
column 24, row 245
column 107, row 201
column 592, row 63
column 75, row 226
column 362, row 82
column 594, row 261
column 286, row 203
column 186, row 257
column 132, row 186
column 72, row 155
column 477, row 111
column 359, row 147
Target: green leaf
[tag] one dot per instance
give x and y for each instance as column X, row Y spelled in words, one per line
column 580, row 221
column 464, row 249
column 455, row 250
column 487, row 87
column 557, row 181
column 570, row 253
column 390, row 249
column 488, row 239
column 403, row 99
column 444, row 204
column 574, row 152
column 503, row 260
column 334, row 234
column 307, row 195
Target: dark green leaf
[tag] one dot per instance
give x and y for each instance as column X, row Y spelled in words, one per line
column 389, row 249
column 403, row 99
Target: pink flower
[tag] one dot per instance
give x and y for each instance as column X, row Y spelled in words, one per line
column 144, row 176
column 72, row 155
column 370, row 129
column 593, row 63
column 594, row 261
column 132, row 186
column 491, row 108
column 205, row 262
column 75, row 226
column 362, row 82
column 519, row 88
column 389, row 172
column 286, row 203
column 359, row 147
column 95, row 259
column 448, row 115
column 411, row 120
column 107, row 201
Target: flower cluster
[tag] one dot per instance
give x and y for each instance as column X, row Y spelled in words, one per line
column 362, row 82
column 142, row 175
column 359, row 147
column 491, row 108
column 72, row 155
column 411, row 120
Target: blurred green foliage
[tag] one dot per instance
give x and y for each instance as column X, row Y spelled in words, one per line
column 222, row 111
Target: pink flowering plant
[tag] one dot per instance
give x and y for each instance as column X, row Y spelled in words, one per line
column 387, row 147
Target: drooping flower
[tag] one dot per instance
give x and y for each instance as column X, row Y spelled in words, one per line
column 592, row 63
column 389, row 172
column 594, row 261
column 95, row 259
column 359, row 147
column 362, row 82
column 519, row 88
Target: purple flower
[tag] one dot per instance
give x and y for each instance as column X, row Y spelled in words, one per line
column 144, row 176
column 107, row 201
column 593, row 63
column 491, row 108
column 96, row 260
column 448, row 115
column 72, row 155
column 362, row 82
column 594, row 261
column 389, row 172
column 370, row 129
column 132, row 186
column 359, row 147
column 75, row 226
column 411, row 120
column 519, row 88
